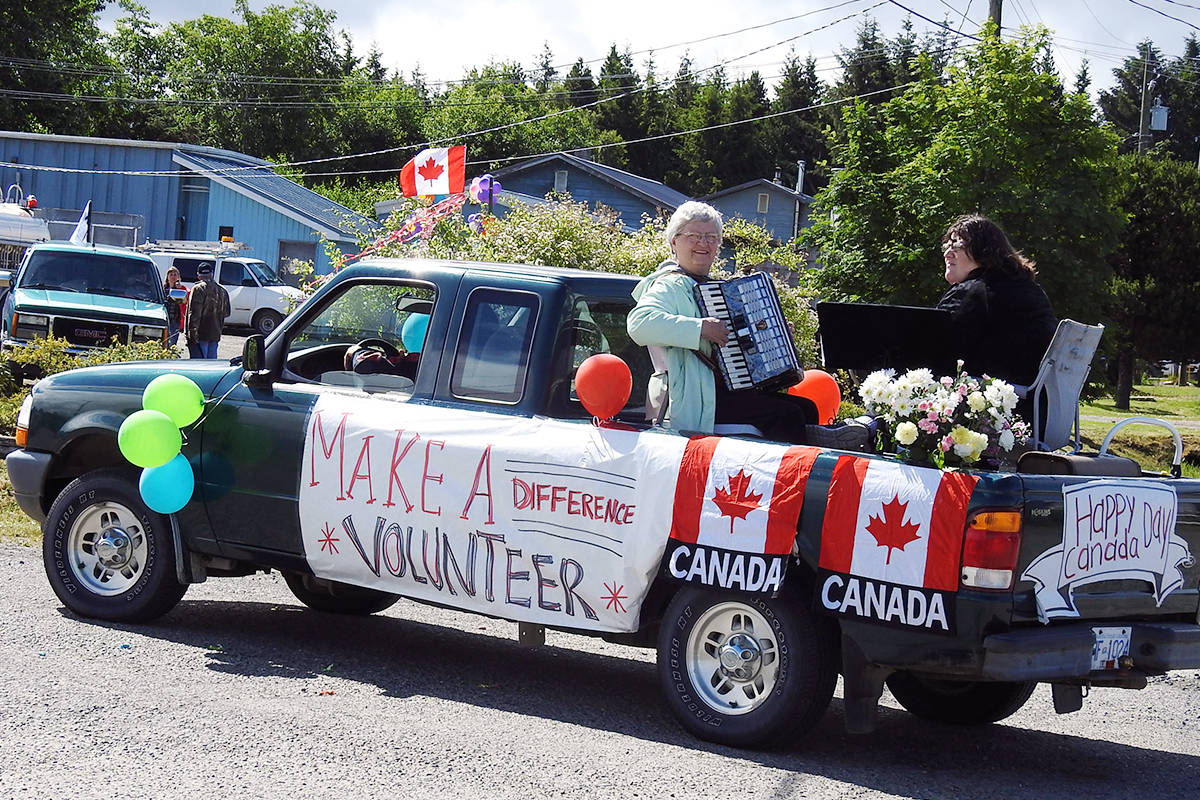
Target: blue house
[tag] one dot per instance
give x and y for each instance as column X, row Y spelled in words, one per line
column 595, row 184
column 167, row 190
column 782, row 211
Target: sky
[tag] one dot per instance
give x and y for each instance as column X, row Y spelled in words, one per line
column 444, row 39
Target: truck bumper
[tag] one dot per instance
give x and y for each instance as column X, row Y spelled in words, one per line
column 27, row 474
column 1065, row 651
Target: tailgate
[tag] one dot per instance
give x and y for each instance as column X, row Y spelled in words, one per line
column 1108, row 548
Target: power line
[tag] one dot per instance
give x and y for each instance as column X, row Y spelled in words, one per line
column 1165, row 14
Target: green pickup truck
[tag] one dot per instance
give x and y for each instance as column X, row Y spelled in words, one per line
column 467, row 474
column 90, row 295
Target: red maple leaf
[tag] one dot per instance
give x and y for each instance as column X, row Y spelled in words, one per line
column 892, row 531
column 737, row 501
column 430, row 170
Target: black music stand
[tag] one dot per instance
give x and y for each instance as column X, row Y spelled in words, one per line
column 862, row 336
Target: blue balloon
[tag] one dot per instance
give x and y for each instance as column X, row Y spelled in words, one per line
column 412, row 333
column 167, row 488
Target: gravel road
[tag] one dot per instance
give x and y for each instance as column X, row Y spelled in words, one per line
column 240, row 692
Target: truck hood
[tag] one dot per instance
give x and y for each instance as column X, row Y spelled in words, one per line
column 89, row 306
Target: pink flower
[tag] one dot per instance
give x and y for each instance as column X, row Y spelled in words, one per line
column 963, row 390
column 947, row 443
column 928, row 425
column 931, row 414
column 946, row 381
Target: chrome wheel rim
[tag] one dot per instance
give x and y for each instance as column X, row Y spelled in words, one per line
column 733, row 658
column 108, row 548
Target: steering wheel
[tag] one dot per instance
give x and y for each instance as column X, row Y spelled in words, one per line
column 387, row 348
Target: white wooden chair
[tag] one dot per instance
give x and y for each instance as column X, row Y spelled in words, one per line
column 1060, row 379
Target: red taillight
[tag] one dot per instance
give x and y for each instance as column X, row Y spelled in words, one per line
column 990, row 548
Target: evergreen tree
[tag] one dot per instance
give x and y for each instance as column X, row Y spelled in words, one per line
column 1122, row 104
column 657, row 116
column 743, row 152
column 544, row 75
column 619, row 86
column 800, row 136
column 579, row 87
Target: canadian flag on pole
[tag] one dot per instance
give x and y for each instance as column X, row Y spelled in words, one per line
column 895, row 523
column 438, row 170
column 740, row 495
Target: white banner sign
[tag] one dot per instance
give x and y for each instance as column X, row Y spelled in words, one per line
column 1112, row 530
column 535, row 520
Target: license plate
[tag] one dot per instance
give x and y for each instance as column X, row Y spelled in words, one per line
column 1111, row 644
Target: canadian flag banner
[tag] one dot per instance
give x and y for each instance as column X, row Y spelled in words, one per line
column 437, row 170
column 895, row 523
column 740, row 495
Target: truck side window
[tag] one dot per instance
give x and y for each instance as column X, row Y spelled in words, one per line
column 493, row 346
column 596, row 325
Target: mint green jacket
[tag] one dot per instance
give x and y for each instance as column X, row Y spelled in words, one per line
column 666, row 316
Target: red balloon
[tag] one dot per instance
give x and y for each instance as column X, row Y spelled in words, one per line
column 822, row 389
column 603, row 383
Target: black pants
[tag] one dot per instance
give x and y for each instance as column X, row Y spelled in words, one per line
column 779, row 416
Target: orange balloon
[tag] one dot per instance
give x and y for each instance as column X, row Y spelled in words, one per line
column 603, row 383
column 822, row 389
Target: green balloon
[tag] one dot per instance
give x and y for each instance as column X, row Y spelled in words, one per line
column 149, row 438
column 175, row 395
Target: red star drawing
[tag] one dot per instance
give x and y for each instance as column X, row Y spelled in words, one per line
column 328, row 539
column 614, row 597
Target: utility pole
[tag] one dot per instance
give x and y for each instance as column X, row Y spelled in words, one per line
column 1144, row 116
column 994, row 8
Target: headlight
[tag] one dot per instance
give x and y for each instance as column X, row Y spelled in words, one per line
column 30, row 326
column 149, row 333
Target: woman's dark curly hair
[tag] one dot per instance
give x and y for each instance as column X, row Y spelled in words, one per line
column 988, row 246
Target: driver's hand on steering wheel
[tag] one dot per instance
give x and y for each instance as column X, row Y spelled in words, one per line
column 348, row 358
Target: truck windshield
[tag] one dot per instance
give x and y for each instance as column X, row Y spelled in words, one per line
column 93, row 273
column 264, row 274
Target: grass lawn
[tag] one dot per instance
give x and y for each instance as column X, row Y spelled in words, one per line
column 13, row 522
column 1152, row 446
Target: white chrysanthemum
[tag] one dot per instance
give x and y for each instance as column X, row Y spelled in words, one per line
column 906, row 433
column 976, row 401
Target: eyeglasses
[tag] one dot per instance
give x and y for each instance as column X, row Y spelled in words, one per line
column 953, row 245
column 696, row 238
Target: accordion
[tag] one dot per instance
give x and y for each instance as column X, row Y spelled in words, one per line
column 759, row 353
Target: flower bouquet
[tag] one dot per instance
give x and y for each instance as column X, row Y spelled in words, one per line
column 947, row 421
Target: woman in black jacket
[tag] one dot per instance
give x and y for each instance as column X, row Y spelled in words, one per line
column 1002, row 320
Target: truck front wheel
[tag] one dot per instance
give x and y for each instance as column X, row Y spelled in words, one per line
column 106, row 554
column 266, row 321
column 959, row 702
column 745, row 671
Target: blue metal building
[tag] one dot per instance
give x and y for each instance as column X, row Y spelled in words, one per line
column 181, row 191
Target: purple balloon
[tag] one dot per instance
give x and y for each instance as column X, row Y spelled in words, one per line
column 496, row 188
column 485, row 183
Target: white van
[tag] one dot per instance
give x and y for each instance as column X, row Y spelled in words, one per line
column 257, row 297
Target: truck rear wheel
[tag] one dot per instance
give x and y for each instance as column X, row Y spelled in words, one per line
column 745, row 671
column 106, row 554
column 337, row 598
column 959, row 702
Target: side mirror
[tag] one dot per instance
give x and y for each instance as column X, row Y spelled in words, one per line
column 178, row 295
column 254, row 369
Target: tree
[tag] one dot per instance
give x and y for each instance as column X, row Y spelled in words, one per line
column 1156, row 285
column 579, row 85
column 1122, row 104
column 1000, row 138
column 40, row 39
column 619, row 113
column 743, row 152
column 800, row 136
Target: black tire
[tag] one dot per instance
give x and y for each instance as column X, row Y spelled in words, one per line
column 783, row 679
column 959, row 702
column 337, row 598
column 106, row 554
column 266, row 321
